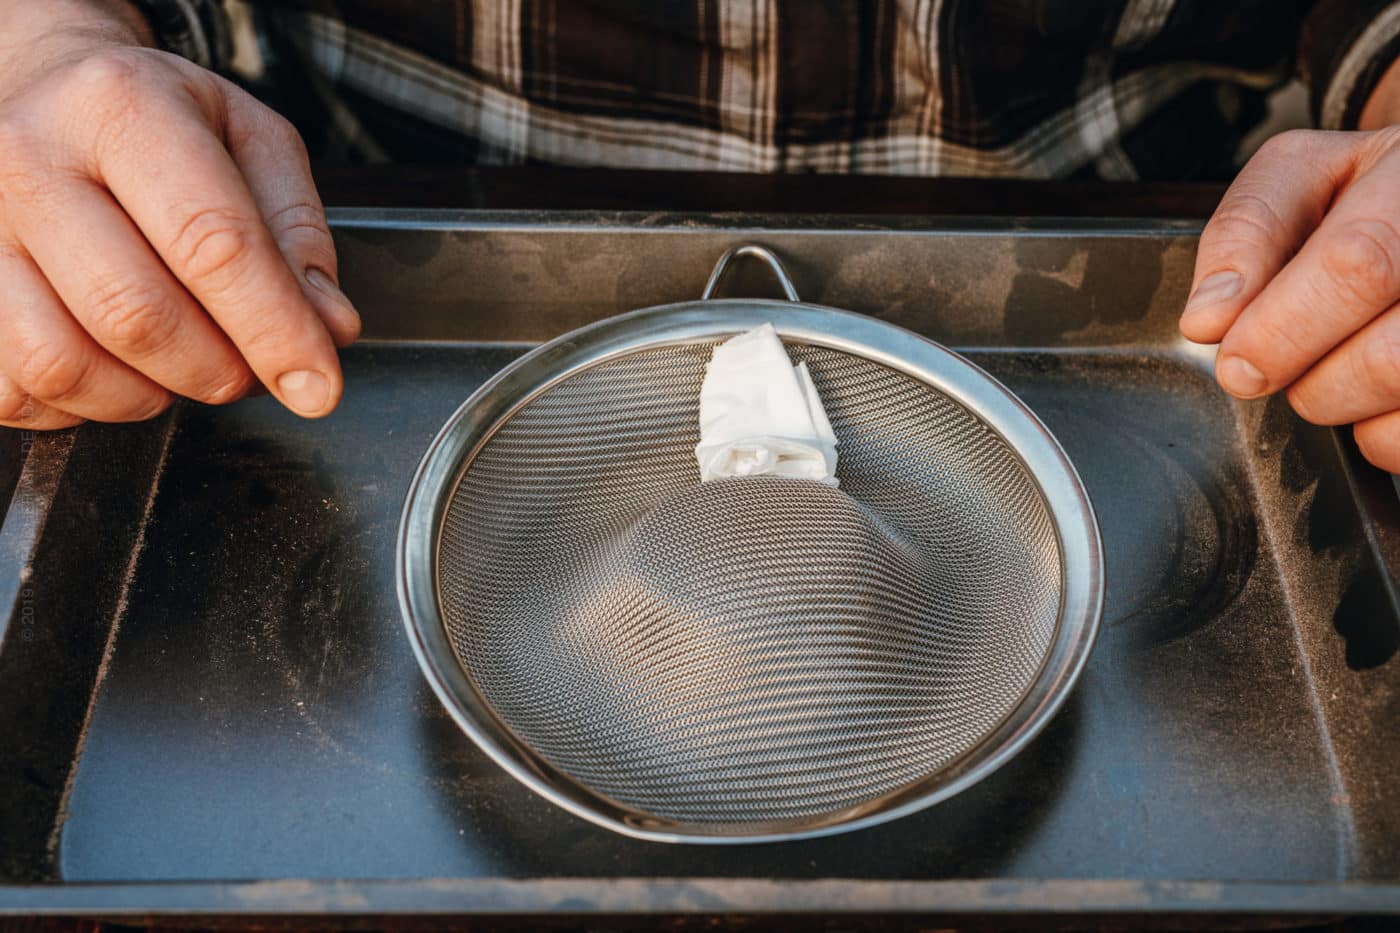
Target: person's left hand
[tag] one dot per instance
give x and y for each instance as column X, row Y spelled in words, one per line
column 1298, row 280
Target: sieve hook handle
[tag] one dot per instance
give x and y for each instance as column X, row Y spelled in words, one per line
column 757, row 252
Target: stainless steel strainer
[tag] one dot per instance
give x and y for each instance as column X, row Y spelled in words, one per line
column 759, row 658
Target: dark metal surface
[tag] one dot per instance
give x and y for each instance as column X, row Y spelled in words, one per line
column 554, row 187
column 1231, row 746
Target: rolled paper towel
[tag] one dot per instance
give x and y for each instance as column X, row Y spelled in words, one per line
column 759, row 414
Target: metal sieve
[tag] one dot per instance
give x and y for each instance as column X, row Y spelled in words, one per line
column 759, row 658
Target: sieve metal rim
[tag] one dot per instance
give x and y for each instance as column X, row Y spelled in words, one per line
column 451, row 451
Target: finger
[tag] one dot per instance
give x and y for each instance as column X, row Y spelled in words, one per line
column 1347, row 273
column 123, row 295
column 337, row 313
column 1357, row 380
column 19, row 409
column 49, row 357
column 272, row 157
column 1379, row 440
column 209, row 232
column 1277, row 199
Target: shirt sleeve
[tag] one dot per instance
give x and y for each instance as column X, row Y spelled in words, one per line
column 1344, row 49
column 194, row 29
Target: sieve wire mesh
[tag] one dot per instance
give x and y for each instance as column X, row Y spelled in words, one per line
column 756, row 649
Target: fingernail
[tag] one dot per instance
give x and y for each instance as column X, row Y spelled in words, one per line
column 322, row 283
column 1241, row 378
column 1215, row 287
column 336, row 311
column 305, row 391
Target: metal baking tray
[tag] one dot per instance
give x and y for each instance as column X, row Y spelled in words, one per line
column 208, row 705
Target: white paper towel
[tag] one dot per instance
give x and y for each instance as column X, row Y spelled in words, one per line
column 760, row 414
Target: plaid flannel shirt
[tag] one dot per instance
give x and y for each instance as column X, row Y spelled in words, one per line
column 1117, row 89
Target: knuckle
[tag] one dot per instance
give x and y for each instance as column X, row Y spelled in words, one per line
column 268, row 131
column 118, row 101
column 1360, row 259
column 1286, row 146
column 1246, row 220
column 267, row 336
column 211, row 242
column 1378, row 360
column 304, row 220
column 52, row 372
column 134, row 315
column 303, row 238
column 281, row 133
column 104, row 75
column 19, row 409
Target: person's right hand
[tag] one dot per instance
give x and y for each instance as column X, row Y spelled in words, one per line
column 160, row 235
